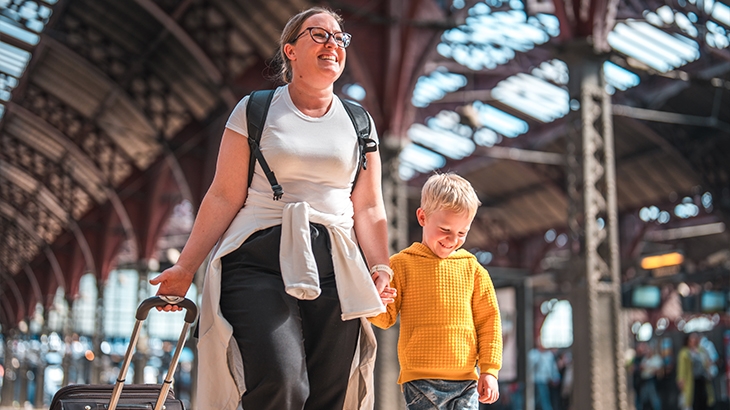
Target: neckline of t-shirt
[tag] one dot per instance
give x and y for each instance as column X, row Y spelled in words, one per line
column 290, row 104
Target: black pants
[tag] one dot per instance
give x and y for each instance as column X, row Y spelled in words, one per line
column 296, row 354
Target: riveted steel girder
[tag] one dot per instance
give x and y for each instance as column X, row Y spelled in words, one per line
column 600, row 380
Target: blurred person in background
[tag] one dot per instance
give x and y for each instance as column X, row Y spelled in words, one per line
column 694, row 378
column 649, row 366
column 544, row 368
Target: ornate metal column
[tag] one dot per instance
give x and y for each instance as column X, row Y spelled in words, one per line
column 8, row 389
column 141, row 355
column 67, row 340
column 600, row 378
column 98, row 336
column 395, row 195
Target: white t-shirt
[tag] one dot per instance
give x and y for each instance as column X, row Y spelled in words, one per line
column 314, row 159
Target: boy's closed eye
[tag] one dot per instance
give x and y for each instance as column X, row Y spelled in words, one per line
column 460, row 234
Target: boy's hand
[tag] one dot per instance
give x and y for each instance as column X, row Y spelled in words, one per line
column 387, row 294
column 488, row 388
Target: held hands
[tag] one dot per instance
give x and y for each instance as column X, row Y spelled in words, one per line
column 488, row 388
column 382, row 284
column 173, row 281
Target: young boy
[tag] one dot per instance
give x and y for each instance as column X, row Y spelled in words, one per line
column 449, row 318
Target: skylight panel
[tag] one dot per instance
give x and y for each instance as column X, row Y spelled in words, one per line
column 449, row 121
column 716, row 35
column 23, row 21
column 7, row 84
column 444, row 142
column 684, row 23
column 13, row 60
column 16, row 32
column 654, row 47
column 486, row 137
column 721, row 13
column 533, row 96
column 499, row 121
column 648, row 45
column 653, row 18
column 707, row 5
column 414, row 158
column 435, row 86
column 550, row 23
column 666, row 14
column 489, row 39
column 686, row 48
column 619, row 77
column 554, row 70
column 628, row 47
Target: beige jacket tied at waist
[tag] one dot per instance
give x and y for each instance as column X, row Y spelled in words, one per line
column 217, row 350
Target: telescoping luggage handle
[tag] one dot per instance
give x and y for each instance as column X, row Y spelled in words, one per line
column 191, row 313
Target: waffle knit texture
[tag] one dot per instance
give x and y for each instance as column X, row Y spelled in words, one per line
column 449, row 318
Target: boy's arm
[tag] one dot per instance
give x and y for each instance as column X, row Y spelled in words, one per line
column 488, row 323
column 388, row 318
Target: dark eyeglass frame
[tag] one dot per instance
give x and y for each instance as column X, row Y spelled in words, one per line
column 346, row 37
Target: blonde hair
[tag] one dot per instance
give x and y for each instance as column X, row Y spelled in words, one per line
column 291, row 31
column 450, row 192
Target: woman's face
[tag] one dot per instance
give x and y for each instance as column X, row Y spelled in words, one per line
column 317, row 64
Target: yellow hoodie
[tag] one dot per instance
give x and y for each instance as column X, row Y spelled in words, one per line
column 449, row 318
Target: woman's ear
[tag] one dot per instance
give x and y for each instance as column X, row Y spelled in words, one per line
column 289, row 51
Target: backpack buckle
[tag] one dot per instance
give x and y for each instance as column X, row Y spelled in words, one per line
column 278, row 191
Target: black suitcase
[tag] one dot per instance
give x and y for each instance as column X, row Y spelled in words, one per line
column 133, row 396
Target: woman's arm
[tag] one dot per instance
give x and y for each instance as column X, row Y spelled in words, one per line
column 371, row 225
column 225, row 197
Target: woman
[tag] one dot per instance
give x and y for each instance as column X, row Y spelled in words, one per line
column 696, row 392
column 258, row 344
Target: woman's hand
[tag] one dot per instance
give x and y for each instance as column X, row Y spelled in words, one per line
column 174, row 281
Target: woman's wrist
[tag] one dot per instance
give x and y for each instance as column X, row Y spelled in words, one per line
column 382, row 268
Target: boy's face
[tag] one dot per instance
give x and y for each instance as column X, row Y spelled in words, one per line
column 444, row 231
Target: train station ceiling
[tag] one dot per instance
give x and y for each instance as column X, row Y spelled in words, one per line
column 111, row 113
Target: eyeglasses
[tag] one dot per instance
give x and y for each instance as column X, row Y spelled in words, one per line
column 322, row 36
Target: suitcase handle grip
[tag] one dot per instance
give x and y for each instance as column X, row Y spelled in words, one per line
column 191, row 311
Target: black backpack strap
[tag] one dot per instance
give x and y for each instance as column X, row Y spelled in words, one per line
column 256, row 111
column 361, row 121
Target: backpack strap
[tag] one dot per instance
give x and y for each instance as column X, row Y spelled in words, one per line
column 256, row 112
column 361, row 121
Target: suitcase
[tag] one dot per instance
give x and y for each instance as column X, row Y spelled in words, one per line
column 133, row 396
